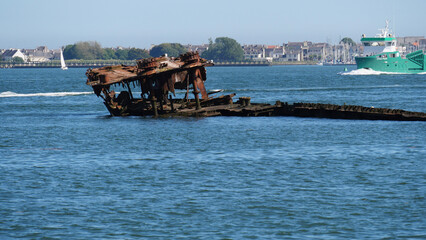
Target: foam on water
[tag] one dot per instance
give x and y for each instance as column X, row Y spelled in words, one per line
column 51, row 94
column 364, row 71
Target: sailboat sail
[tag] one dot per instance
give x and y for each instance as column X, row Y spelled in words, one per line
column 63, row 65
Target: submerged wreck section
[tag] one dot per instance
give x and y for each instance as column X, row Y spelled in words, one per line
column 156, row 80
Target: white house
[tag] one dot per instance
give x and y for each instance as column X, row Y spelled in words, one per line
column 254, row 52
column 293, row 56
column 8, row 55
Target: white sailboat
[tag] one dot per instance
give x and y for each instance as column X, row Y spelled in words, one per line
column 63, row 66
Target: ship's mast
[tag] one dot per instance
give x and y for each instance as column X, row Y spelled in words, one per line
column 384, row 31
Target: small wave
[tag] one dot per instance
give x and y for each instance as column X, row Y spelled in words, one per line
column 52, row 94
column 364, row 71
column 322, row 88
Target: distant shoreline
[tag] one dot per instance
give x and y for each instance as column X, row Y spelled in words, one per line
column 99, row 63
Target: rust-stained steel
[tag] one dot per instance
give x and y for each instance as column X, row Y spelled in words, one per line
column 159, row 77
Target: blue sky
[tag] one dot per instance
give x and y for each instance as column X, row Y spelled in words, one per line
column 139, row 23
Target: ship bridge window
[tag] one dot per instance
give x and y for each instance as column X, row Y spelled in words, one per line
column 378, row 44
column 367, row 44
column 388, row 44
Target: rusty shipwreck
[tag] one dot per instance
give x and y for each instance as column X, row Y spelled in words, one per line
column 159, row 78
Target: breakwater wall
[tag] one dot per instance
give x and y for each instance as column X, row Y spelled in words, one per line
column 69, row 63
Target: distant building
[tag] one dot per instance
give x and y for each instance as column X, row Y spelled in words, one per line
column 278, row 53
column 254, row 52
column 8, row 55
column 422, row 44
column 299, row 48
column 197, row 48
column 293, row 56
column 403, row 41
column 257, row 52
column 41, row 54
column 274, row 52
column 317, row 51
column 410, row 43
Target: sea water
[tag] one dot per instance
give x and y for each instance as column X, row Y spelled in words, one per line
column 69, row 171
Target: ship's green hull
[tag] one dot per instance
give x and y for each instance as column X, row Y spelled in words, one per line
column 413, row 63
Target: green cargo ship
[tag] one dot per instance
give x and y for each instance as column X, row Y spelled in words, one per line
column 381, row 54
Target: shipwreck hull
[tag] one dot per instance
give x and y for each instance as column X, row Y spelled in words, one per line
column 224, row 106
column 159, row 77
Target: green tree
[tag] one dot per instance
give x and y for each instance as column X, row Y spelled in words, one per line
column 17, row 60
column 224, row 49
column 137, row 53
column 69, row 52
column 84, row 50
column 172, row 50
column 122, row 54
column 109, row 53
column 348, row 41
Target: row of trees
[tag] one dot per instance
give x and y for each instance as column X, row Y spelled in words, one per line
column 222, row 49
column 93, row 51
